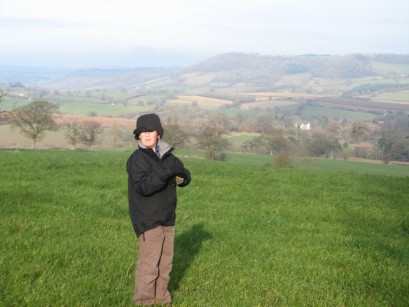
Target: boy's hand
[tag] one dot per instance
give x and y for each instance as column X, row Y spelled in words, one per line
column 179, row 180
column 185, row 176
column 171, row 168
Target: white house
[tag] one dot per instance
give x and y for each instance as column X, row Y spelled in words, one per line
column 303, row 126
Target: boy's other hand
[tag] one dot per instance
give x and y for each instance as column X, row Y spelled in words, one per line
column 179, row 180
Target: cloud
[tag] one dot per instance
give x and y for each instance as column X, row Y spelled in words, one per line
column 26, row 23
column 203, row 28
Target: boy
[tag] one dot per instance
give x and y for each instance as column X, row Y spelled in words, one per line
column 152, row 174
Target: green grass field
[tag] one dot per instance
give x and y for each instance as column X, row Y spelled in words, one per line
column 388, row 67
column 316, row 164
column 107, row 110
column 246, row 235
column 399, row 96
column 310, row 112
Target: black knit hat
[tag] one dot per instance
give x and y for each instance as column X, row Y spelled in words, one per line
column 148, row 122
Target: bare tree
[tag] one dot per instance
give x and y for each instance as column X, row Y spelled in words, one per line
column 212, row 141
column 2, row 95
column 89, row 131
column 323, row 145
column 263, row 123
column 333, row 129
column 273, row 142
column 394, row 139
column 221, row 122
column 359, row 129
column 118, row 135
column 175, row 135
column 73, row 133
column 35, row 119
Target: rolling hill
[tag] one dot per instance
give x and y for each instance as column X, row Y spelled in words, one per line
column 236, row 72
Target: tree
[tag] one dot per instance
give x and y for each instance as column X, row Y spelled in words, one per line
column 72, row 133
column 333, row 129
column 175, row 135
column 35, row 119
column 89, row 131
column 118, row 135
column 211, row 140
column 263, row 123
column 323, row 145
column 288, row 122
column 272, row 141
column 221, row 122
column 115, row 136
column 394, row 140
column 399, row 151
column 359, row 129
column 241, row 122
column 2, row 95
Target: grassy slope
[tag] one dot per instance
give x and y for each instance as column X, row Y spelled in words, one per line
column 246, row 235
column 310, row 163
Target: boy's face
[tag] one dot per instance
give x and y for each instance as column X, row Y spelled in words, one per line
column 149, row 139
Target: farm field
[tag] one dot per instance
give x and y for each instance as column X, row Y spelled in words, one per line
column 266, row 104
column 396, row 97
column 246, row 235
column 99, row 109
column 203, row 102
column 323, row 164
column 307, row 163
column 310, row 112
column 396, row 68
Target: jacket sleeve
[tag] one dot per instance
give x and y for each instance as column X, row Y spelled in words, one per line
column 182, row 172
column 186, row 178
column 146, row 181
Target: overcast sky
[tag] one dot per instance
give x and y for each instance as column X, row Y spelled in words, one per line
column 140, row 33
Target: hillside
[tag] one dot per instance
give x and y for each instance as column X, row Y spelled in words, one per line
column 355, row 82
column 235, row 72
column 242, row 90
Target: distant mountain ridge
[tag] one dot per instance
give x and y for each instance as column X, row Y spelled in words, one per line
column 347, row 66
column 251, row 71
column 30, row 75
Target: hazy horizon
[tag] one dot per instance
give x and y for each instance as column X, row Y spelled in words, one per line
column 130, row 34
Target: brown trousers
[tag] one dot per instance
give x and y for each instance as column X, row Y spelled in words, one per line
column 154, row 266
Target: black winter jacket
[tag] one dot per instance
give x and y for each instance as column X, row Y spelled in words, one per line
column 152, row 187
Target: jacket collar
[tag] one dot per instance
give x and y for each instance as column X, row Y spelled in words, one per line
column 162, row 148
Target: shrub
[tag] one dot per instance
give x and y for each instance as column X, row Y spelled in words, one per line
column 283, row 160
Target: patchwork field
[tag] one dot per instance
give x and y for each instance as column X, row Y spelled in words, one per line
column 264, row 95
column 203, row 102
column 394, row 97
